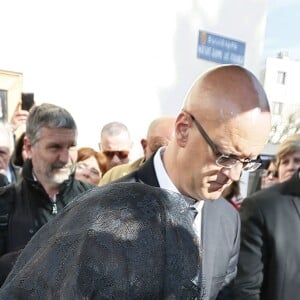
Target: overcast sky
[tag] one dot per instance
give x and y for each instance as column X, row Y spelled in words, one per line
column 282, row 30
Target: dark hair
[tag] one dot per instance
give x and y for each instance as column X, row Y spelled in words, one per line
column 17, row 157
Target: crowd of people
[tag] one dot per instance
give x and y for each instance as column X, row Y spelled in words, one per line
column 171, row 224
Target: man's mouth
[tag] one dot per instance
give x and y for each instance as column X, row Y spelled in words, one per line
column 219, row 185
column 216, row 185
column 61, row 169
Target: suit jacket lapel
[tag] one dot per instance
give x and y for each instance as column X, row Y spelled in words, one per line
column 146, row 173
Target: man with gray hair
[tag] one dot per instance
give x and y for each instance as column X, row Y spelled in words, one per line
column 6, row 149
column 47, row 184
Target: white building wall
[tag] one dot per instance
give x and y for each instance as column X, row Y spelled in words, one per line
column 120, row 60
column 282, row 87
column 287, row 92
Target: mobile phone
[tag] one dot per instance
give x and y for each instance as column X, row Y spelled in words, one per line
column 27, row 101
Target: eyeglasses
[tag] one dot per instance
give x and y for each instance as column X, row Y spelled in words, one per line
column 223, row 160
column 84, row 167
column 121, row 154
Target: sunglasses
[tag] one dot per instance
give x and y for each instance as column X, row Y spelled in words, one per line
column 121, row 154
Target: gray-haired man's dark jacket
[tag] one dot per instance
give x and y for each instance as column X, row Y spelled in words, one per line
column 24, row 208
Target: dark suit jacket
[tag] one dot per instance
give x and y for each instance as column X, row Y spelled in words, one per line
column 220, row 238
column 269, row 263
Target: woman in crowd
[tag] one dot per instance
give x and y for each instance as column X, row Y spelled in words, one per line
column 269, row 175
column 91, row 165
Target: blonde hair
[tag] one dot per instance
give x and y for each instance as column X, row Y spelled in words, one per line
column 289, row 146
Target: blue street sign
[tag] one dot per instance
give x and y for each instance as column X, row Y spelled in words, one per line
column 220, row 49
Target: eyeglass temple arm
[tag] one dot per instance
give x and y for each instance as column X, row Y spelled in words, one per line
column 204, row 134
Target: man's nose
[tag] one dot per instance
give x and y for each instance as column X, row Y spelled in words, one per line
column 293, row 165
column 233, row 173
column 64, row 156
column 115, row 158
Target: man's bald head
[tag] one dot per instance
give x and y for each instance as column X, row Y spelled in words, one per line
column 224, row 92
column 160, row 132
column 162, row 124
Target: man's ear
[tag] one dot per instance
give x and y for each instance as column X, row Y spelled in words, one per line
column 144, row 144
column 27, row 146
column 182, row 126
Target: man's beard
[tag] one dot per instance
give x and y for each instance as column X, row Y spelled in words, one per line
column 62, row 173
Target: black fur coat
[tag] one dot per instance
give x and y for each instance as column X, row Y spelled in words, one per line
column 120, row 241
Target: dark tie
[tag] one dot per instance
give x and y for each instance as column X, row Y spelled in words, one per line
column 194, row 211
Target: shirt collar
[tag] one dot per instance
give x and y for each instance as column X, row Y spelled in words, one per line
column 164, row 179
column 161, row 173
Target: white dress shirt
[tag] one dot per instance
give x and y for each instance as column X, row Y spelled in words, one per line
column 166, row 183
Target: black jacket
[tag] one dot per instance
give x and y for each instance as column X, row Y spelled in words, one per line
column 3, row 180
column 24, row 208
column 269, row 261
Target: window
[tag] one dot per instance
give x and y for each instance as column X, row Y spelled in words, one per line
column 281, row 77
